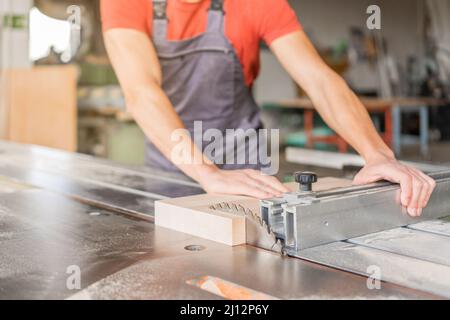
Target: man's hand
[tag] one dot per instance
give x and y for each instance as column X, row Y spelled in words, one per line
column 416, row 187
column 247, row 182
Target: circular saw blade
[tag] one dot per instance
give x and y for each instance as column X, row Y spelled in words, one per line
column 258, row 233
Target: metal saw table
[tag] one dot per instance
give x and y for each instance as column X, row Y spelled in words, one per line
column 59, row 209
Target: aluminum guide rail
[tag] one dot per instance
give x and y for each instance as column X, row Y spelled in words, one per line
column 313, row 219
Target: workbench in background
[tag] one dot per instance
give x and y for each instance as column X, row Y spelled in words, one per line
column 391, row 109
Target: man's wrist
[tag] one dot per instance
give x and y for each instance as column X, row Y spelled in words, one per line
column 378, row 155
column 201, row 172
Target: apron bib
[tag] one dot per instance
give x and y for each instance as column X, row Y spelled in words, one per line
column 204, row 81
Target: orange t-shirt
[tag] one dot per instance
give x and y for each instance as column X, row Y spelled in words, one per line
column 246, row 23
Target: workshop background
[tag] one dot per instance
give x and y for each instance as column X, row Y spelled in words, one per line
column 58, row 88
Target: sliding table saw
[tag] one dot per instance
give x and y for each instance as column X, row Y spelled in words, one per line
column 59, row 210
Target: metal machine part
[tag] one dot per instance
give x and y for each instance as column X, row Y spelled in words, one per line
column 307, row 219
column 60, row 209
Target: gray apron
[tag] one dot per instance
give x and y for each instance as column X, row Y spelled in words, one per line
column 204, row 81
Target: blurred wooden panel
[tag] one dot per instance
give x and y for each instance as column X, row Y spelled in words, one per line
column 3, row 107
column 43, row 106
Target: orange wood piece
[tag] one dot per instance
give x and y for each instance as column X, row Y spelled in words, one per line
column 42, row 106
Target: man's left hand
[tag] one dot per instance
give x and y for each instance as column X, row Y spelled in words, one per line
column 416, row 187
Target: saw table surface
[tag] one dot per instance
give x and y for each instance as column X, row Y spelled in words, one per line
column 59, row 210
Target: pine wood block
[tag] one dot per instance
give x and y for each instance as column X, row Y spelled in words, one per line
column 192, row 215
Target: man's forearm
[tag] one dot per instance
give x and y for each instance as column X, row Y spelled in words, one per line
column 136, row 64
column 333, row 99
column 154, row 113
column 345, row 114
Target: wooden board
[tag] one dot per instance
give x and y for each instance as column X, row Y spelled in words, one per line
column 192, row 215
column 42, row 106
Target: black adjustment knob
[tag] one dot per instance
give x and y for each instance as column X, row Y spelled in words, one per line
column 305, row 180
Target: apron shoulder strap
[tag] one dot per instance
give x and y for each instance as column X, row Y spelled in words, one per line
column 216, row 5
column 216, row 16
column 159, row 19
column 159, row 9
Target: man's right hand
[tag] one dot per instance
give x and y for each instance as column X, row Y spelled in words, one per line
column 245, row 182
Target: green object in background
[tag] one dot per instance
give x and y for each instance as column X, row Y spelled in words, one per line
column 288, row 178
column 271, row 106
column 340, row 50
column 126, row 144
column 15, row 21
column 97, row 75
